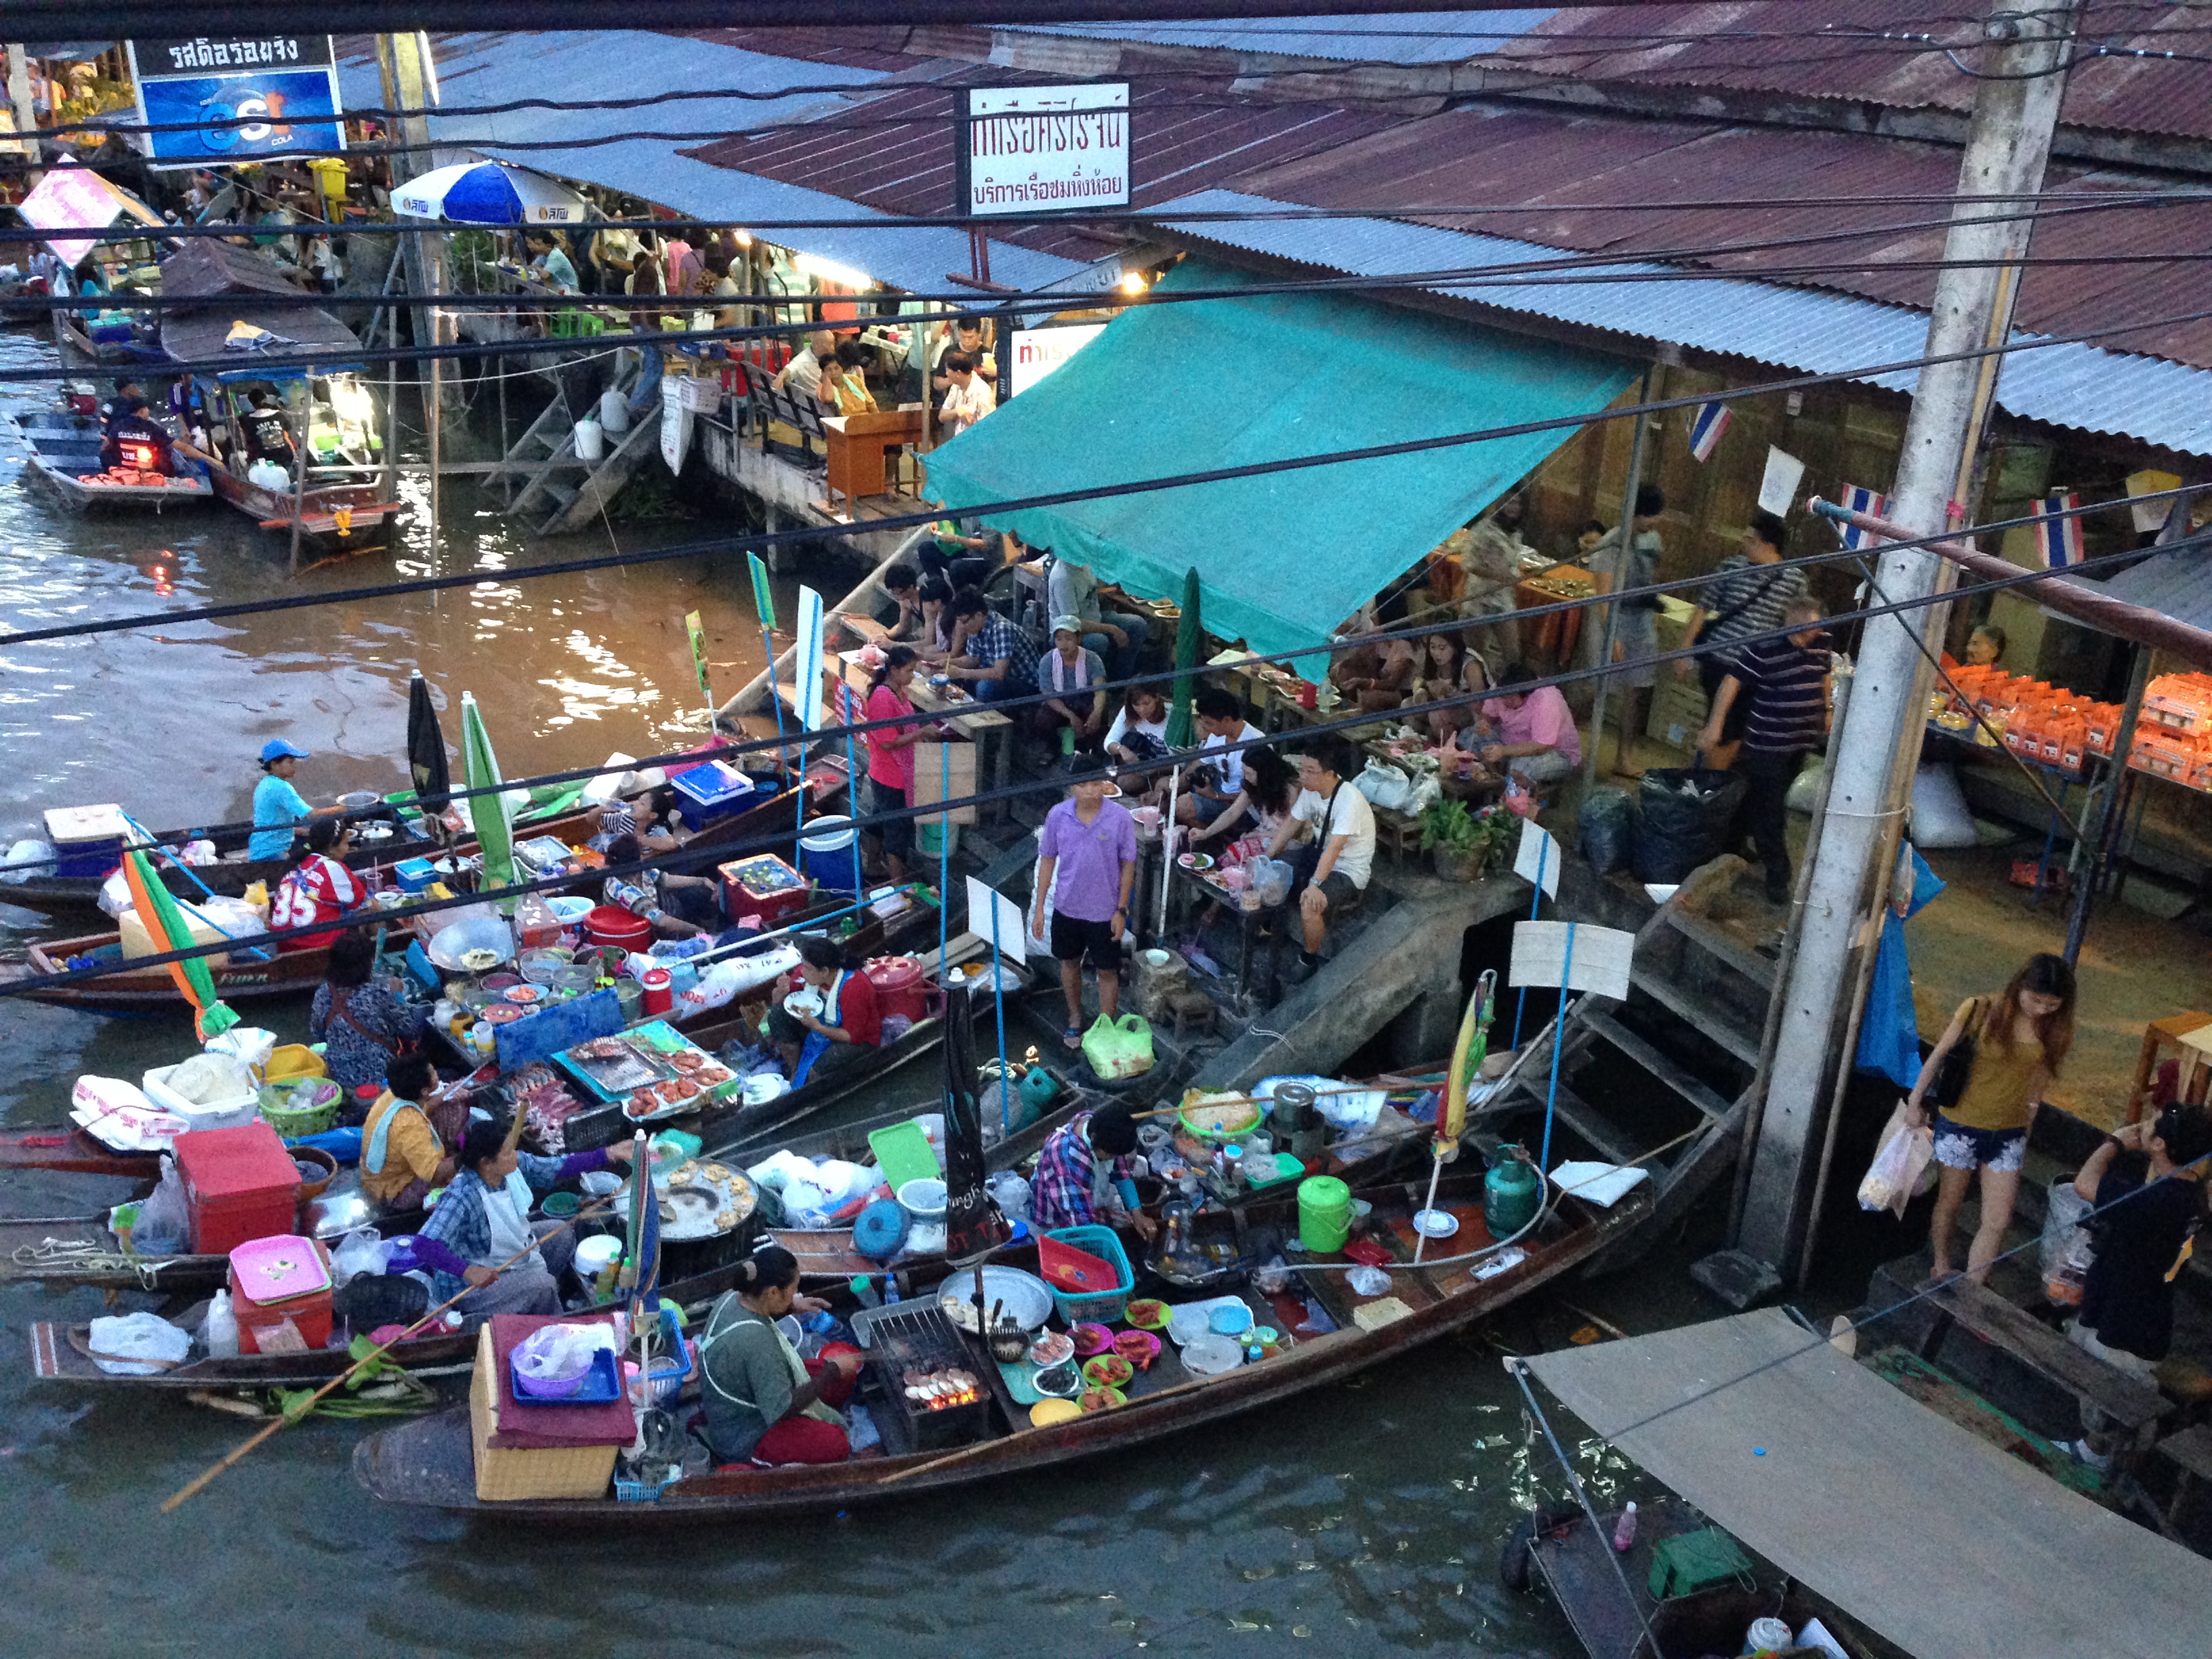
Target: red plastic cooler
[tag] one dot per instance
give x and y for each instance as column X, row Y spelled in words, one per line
column 274, row 1279
column 239, row 1184
column 764, row 886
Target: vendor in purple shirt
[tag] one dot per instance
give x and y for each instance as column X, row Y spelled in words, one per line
column 1086, row 865
column 481, row 1221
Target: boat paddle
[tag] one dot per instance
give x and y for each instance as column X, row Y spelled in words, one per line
column 199, row 1483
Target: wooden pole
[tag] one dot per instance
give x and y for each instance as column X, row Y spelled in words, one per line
column 200, row 1482
column 299, row 465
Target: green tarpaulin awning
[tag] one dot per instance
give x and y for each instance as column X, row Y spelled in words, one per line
column 1286, row 556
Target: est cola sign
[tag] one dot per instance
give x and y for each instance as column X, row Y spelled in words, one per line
column 243, row 97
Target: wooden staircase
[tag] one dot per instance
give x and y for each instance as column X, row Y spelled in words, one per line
column 1675, row 1062
column 557, row 490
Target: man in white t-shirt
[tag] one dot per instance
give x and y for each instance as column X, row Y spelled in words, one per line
column 1210, row 786
column 1343, row 852
column 969, row 398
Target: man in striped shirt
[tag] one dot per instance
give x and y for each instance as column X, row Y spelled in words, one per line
column 1743, row 600
column 1781, row 686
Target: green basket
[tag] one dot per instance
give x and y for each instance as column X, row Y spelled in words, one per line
column 305, row 1108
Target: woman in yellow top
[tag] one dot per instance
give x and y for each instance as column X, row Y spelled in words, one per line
column 846, row 385
column 403, row 1157
column 2021, row 1038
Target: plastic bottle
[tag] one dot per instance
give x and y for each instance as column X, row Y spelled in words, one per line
column 219, row 1331
column 1624, row 1531
column 864, row 1288
column 890, row 1290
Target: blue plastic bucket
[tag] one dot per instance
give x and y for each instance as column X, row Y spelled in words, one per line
column 826, row 854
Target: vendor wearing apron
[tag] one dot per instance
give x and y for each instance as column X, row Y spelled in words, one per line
column 839, row 1041
column 765, row 1405
column 402, row 1156
column 483, row 1220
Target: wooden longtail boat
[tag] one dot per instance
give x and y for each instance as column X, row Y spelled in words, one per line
column 430, row 1463
column 825, row 1257
column 65, row 457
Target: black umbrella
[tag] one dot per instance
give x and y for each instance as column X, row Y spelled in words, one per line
column 973, row 1225
column 426, row 744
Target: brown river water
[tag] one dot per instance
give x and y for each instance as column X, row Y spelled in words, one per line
column 1363, row 1519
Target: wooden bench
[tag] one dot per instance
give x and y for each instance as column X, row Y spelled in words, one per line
column 865, row 628
column 2135, row 1406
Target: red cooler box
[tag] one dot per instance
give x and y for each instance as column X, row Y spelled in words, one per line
column 764, row 886
column 274, row 1279
column 239, row 1184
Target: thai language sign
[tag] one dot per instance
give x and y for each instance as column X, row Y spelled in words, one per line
column 1036, row 352
column 1033, row 149
column 237, row 97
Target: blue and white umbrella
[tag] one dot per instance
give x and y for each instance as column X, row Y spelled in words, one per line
column 488, row 193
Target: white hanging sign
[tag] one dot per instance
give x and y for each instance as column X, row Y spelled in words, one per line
column 1039, row 148
column 810, row 658
column 986, row 902
column 1778, row 487
column 1536, row 860
column 1573, row 954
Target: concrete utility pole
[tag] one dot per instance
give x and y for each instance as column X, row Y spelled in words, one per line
column 1876, row 752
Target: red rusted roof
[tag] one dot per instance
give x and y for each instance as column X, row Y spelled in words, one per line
column 1835, row 49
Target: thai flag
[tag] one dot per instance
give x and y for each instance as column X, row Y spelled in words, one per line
column 2058, row 540
column 1705, row 428
column 1857, row 498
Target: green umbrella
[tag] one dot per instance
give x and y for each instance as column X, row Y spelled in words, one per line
column 480, row 766
column 1187, row 631
column 164, row 924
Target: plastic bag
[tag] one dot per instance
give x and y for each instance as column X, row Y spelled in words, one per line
column 361, row 1251
column 138, row 1345
column 1683, row 821
column 1608, row 826
column 115, row 896
column 724, row 982
column 1385, row 785
column 2067, row 1248
column 27, row 858
column 164, row 1224
column 1271, row 878
column 1900, row 1165
column 1421, row 794
column 248, row 1044
column 1119, row 1048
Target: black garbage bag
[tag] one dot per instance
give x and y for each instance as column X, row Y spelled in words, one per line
column 369, row 1301
column 1608, row 828
column 1683, row 820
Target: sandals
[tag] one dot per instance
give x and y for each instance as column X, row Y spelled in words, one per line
column 1071, row 1038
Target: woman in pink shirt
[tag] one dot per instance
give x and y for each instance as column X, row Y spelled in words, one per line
column 1535, row 737
column 890, row 755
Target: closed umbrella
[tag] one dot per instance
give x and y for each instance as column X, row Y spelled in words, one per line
column 480, row 767
column 1179, row 732
column 426, row 744
column 165, row 925
column 973, row 1225
column 488, row 193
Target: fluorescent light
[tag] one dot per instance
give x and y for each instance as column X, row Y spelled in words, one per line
column 828, row 271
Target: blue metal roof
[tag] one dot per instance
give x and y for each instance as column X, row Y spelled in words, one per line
column 490, row 68
column 2146, row 399
column 1441, row 37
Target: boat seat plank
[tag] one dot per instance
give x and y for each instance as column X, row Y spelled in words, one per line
column 2136, row 1405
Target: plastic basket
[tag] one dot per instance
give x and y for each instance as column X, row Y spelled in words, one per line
column 308, row 1107
column 638, row 1491
column 1099, row 1307
column 290, row 1061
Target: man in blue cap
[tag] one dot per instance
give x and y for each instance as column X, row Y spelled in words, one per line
column 278, row 808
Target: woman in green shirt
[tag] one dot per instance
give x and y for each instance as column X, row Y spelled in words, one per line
column 764, row 1404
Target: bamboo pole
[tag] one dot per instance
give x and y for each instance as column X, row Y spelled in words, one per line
column 299, row 466
column 200, row 1482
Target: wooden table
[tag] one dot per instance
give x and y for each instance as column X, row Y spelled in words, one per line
column 857, row 444
column 2175, row 1031
column 1187, row 885
column 1554, row 635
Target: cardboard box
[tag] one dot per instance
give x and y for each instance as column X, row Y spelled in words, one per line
column 506, row 1476
column 931, row 761
column 1678, row 711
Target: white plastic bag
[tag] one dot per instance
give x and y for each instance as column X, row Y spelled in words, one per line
column 115, row 896
column 722, row 982
column 362, row 1251
column 164, row 1224
column 249, row 1045
column 1421, row 794
column 138, row 1345
column 1385, row 785
column 1900, row 1167
column 27, row 858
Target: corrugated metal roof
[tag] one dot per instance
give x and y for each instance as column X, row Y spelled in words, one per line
column 1556, row 161
column 1439, row 37
column 2178, row 585
column 2077, row 385
column 1834, row 49
column 483, row 69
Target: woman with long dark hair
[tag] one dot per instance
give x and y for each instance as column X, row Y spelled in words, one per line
column 319, row 888
column 890, row 756
column 2007, row 1050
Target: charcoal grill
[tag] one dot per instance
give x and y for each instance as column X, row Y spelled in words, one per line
column 920, row 1338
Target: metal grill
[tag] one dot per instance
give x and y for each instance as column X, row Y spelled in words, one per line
column 915, row 1348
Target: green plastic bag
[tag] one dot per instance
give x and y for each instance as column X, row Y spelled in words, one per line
column 1118, row 1048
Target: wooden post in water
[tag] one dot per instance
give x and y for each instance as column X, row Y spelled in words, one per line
column 300, row 464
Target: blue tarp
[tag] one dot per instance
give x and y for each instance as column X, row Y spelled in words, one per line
column 1285, row 556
